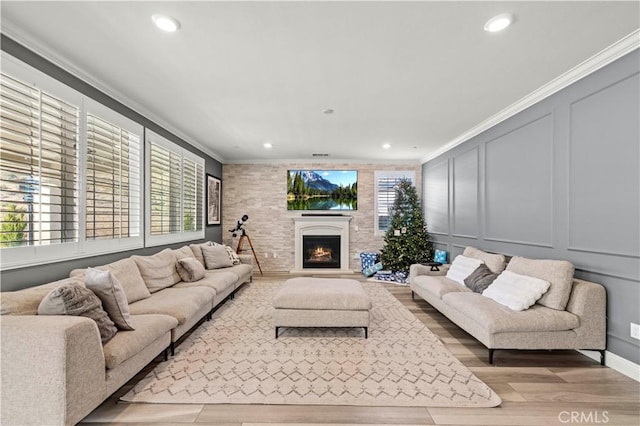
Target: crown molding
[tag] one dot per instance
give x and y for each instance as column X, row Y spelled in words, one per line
column 617, row 50
column 325, row 161
column 36, row 47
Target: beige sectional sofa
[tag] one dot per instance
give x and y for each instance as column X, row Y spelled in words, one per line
column 55, row 369
column 571, row 315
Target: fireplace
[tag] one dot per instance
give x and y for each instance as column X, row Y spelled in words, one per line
column 321, row 251
column 333, row 232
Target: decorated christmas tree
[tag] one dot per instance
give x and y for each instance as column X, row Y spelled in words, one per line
column 407, row 240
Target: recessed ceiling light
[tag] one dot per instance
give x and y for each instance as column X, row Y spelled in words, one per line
column 498, row 22
column 267, row 145
column 166, row 23
column 328, row 111
column 386, row 146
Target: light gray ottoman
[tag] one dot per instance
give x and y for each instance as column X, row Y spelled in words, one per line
column 321, row 302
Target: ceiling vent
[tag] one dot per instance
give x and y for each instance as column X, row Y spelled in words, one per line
column 319, row 155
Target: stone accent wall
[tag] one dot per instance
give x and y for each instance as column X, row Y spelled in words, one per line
column 260, row 191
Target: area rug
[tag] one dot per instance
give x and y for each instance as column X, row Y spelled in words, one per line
column 235, row 359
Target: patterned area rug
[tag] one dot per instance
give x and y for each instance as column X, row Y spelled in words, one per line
column 235, row 359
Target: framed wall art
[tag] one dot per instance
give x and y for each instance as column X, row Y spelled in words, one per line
column 214, row 194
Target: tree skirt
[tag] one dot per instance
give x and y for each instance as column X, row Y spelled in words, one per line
column 235, row 359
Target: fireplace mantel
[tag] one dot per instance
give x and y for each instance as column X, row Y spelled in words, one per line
column 322, row 225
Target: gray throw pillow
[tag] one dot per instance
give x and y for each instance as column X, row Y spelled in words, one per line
column 190, row 269
column 480, row 279
column 216, row 257
column 114, row 300
column 78, row 301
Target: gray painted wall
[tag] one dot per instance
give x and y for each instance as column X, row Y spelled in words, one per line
column 26, row 277
column 559, row 180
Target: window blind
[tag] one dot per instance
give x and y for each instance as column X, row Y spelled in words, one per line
column 38, row 166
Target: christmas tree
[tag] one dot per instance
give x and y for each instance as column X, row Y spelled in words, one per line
column 407, row 240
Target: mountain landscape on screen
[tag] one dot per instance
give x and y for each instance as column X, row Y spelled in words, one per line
column 322, row 190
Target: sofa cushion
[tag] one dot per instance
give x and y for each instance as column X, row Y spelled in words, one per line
column 495, row 262
column 461, row 267
column 78, row 301
column 190, row 269
column 516, row 291
column 216, row 257
column 127, row 273
column 108, row 289
column 438, row 285
column 180, row 303
column 159, row 270
column 558, row 272
column 480, row 279
column 183, row 253
column 197, row 250
column 497, row 318
column 26, row 302
column 126, row 344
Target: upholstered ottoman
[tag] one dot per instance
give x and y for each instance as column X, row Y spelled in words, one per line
column 321, row 302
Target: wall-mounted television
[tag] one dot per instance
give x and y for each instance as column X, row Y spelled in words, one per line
column 322, row 190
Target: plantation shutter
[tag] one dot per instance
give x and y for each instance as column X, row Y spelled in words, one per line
column 176, row 182
column 38, row 166
column 113, row 181
column 386, row 195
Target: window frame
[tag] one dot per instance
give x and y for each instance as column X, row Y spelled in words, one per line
column 173, row 237
column 384, row 174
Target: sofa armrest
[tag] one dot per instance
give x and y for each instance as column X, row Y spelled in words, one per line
column 246, row 259
column 419, row 269
column 589, row 302
column 54, row 362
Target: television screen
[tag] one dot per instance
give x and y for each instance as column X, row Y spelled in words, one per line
column 322, row 190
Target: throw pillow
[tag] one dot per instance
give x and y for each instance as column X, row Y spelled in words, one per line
column 558, row 272
column 197, row 250
column 190, row 269
column 232, row 255
column 114, row 300
column 515, row 291
column 462, row 267
column 480, row 279
column 159, row 270
column 216, row 257
column 78, row 301
column 495, row 262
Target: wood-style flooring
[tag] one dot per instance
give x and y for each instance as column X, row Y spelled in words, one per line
column 536, row 387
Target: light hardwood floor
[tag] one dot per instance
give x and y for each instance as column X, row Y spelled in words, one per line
column 536, row 387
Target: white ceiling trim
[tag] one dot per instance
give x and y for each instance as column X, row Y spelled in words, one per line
column 597, row 61
column 57, row 60
column 324, row 160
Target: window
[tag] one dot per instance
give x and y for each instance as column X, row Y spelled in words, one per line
column 175, row 200
column 113, row 179
column 70, row 174
column 386, row 195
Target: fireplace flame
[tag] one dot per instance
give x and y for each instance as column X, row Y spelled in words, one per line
column 321, row 253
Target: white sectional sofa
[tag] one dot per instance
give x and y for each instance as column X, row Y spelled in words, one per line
column 571, row 315
column 55, row 369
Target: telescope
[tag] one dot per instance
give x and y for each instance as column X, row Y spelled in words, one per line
column 240, row 226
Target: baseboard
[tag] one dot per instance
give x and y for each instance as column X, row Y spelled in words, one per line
column 616, row 362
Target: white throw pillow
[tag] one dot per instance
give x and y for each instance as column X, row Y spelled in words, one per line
column 515, row 291
column 110, row 292
column 462, row 267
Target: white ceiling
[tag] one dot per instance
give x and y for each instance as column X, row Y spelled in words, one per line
column 416, row 75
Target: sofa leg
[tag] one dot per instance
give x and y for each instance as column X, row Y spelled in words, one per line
column 491, row 356
column 602, row 352
column 277, row 332
column 413, row 295
column 165, row 354
column 173, row 348
column 366, row 332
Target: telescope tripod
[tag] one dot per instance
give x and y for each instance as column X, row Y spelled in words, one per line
column 240, row 248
